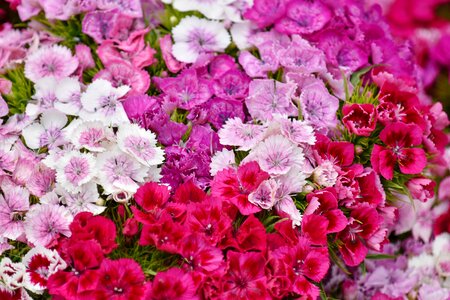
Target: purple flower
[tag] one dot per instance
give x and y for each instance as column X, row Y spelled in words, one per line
column 268, row 97
column 104, row 25
column 131, row 8
column 232, row 85
column 202, row 137
column 219, row 111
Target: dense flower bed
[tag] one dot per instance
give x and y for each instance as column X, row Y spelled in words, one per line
column 238, row 149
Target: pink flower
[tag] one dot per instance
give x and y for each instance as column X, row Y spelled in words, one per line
column 360, row 119
column 172, row 284
column 245, row 278
column 199, row 255
column 421, row 188
column 265, row 12
column 75, row 169
column 172, row 64
column 131, row 8
column 267, row 97
column 46, row 133
column 44, row 224
column 120, row 279
column 54, row 61
column 399, row 138
column 13, row 205
column 276, row 155
column 237, row 133
column 235, row 185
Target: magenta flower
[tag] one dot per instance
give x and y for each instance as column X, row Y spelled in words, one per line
column 400, row 139
column 13, row 205
column 44, row 224
column 54, row 61
column 267, row 97
column 131, row 8
column 360, row 119
column 172, row 284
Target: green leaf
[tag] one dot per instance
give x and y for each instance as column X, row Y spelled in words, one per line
column 21, row 92
column 380, row 256
column 356, row 77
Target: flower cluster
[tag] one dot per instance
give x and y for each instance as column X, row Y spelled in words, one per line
column 238, row 149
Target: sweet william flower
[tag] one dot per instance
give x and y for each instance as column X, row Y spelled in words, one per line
column 400, row 139
column 56, row 61
column 194, row 36
column 359, row 119
column 172, row 284
column 46, row 133
column 237, row 133
column 421, row 188
column 265, row 12
column 14, row 203
column 75, row 169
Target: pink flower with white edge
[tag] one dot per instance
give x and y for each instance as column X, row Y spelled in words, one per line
column 119, row 172
column 54, row 61
column 75, row 169
column 13, row 205
column 46, row 133
column 236, row 133
column 277, row 155
column 140, row 144
column 194, row 36
column 40, row 264
column 45, row 223
column 102, row 102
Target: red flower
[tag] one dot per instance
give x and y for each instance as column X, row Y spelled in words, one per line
column 324, row 202
column 188, row 192
column 363, row 225
column 304, row 262
column 165, row 235
column 442, row 223
column 251, row 235
column 235, row 186
column 314, row 228
column 200, row 255
column 360, row 119
column 120, row 279
column 84, row 258
column 245, row 278
column 85, row 227
column 172, row 284
column 399, row 139
column 340, row 153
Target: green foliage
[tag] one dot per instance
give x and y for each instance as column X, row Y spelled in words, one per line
column 22, row 90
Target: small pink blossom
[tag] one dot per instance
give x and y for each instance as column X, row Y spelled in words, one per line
column 13, row 205
column 75, row 169
column 236, row 133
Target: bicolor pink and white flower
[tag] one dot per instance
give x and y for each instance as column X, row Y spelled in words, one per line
column 90, row 135
column 102, row 102
column 194, row 36
column 56, row 61
column 221, row 160
column 46, row 133
column 243, row 135
column 140, row 144
column 75, row 169
column 44, row 224
column 84, row 200
column 14, row 204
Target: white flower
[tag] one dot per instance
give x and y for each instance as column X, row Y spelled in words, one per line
column 75, row 169
column 101, row 102
column 68, row 94
column 47, row 132
column 221, row 160
column 212, row 9
column 139, row 143
column 91, row 135
column 194, row 36
column 44, row 96
column 83, row 200
column 241, row 32
column 11, row 274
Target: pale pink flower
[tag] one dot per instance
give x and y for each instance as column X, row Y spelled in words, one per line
column 194, row 36
column 59, row 10
column 140, row 144
column 40, row 264
column 4, row 245
column 101, row 102
column 265, row 194
column 13, row 205
column 131, row 8
column 46, row 133
column 68, row 96
column 82, row 201
column 221, row 160
column 41, row 180
column 298, row 132
column 325, row 174
column 90, row 135
column 268, row 97
column 8, row 158
column 75, row 169
column 237, row 133
column 119, row 172
column 277, row 155
column 44, row 224
column 287, row 206
column 54, row 61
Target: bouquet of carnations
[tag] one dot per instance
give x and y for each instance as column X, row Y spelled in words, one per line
column 218, row 149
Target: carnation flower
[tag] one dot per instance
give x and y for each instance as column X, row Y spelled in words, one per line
column 75, row 169
column 101, row 102
column 360, row 119
column 139, row 143
column 91, row 135
column 131, row 8
column 325, row 174
column 11, row 275
column 298, row 132
column 194, row 36
column 222, row 160
column 44, row 224
column 212, row 9
column 40, row 264
column 82, row 201
column 44, row 97
column 68, row 94
column 119, row 172
column 46, row 133
column 171, row 284
column 13, row 205
column 267, row 97
column 237, row 133
column 56, row 61
column 277, row 155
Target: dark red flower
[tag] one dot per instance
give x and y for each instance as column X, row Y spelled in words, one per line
column 442, row 223
column 399, row 138
column 360, row 119
column 200, row 255
column 341, row 153
column 165, row 235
